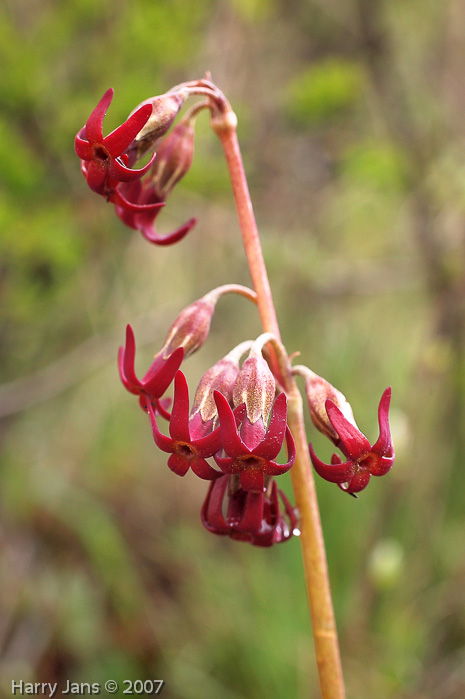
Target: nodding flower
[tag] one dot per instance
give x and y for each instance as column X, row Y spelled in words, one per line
column 362, row 459
column 104, row 163
column 252, row 459
column 188, row 444
column 250, row 516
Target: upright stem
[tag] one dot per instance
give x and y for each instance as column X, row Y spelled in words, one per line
column 313, row 549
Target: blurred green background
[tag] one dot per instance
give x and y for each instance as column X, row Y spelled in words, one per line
column 351, row 123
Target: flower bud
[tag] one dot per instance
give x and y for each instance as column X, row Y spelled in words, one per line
column 173, row 159
column 164, row 111
column 255, row 386
column 220, row 377
column 191, row 327
column 318, row 391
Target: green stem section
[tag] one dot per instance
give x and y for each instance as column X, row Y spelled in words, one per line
column 313, row 549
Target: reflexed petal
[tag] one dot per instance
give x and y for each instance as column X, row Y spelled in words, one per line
column 252, row 514
column 211, row 513
column 383, row 445
column 210, row 444
column 126, row 205
column 179, row 422
column 291, row 513
column 334, row 472
column 94, row 131
column 150, row 234
column 353, row 443
column 273, row 441
column 96, row 175
column 122, row 137
column 82, row 147
column 161, row 373
column 162, row 441
column 125, row 174
column 232, row 443
column 126, row 356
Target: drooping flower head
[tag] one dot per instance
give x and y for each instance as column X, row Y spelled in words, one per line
column 249, row 515
column 362, row 459
column 104, row 163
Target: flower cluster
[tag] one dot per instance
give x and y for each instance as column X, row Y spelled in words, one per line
column 233, row 433
column 106, row 161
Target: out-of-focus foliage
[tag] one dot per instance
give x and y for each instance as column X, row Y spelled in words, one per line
column 351, row 122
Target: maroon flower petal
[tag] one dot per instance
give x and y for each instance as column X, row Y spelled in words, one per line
column 381, row 466
column 252, row 513
column 94, row 126
column 383, row 445
column 357, row 483
column 252, row 479
column 179, row 422
column 96, row 175
column 82, row 147
column 161, row 373
column 336, row 472
column 232, row 443
column 126, row 356
column 273, row 441
column 211, row 513
column 125, row 205
column 208, row 445
column 162, row 441
column 203, row 470
column 228, row 465
column 178, row 464
column 122, row 173
column 353, row 443
column 149, row 232
column 122, row 137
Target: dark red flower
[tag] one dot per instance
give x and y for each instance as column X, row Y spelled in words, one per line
column 250, row 516
column 188, row 444
column 173, row 160
column 104, row 163
column 156, row 380
column 138, row 206
column 363, row 460
column 251, row 453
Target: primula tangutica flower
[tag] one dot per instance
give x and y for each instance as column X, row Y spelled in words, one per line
column 188, row 443
column 155, row 382
column 250, row 516
column 363, row 460
column 251, row 453
column 104, row 163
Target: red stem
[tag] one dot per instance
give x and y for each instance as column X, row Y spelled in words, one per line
column 313, row 549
